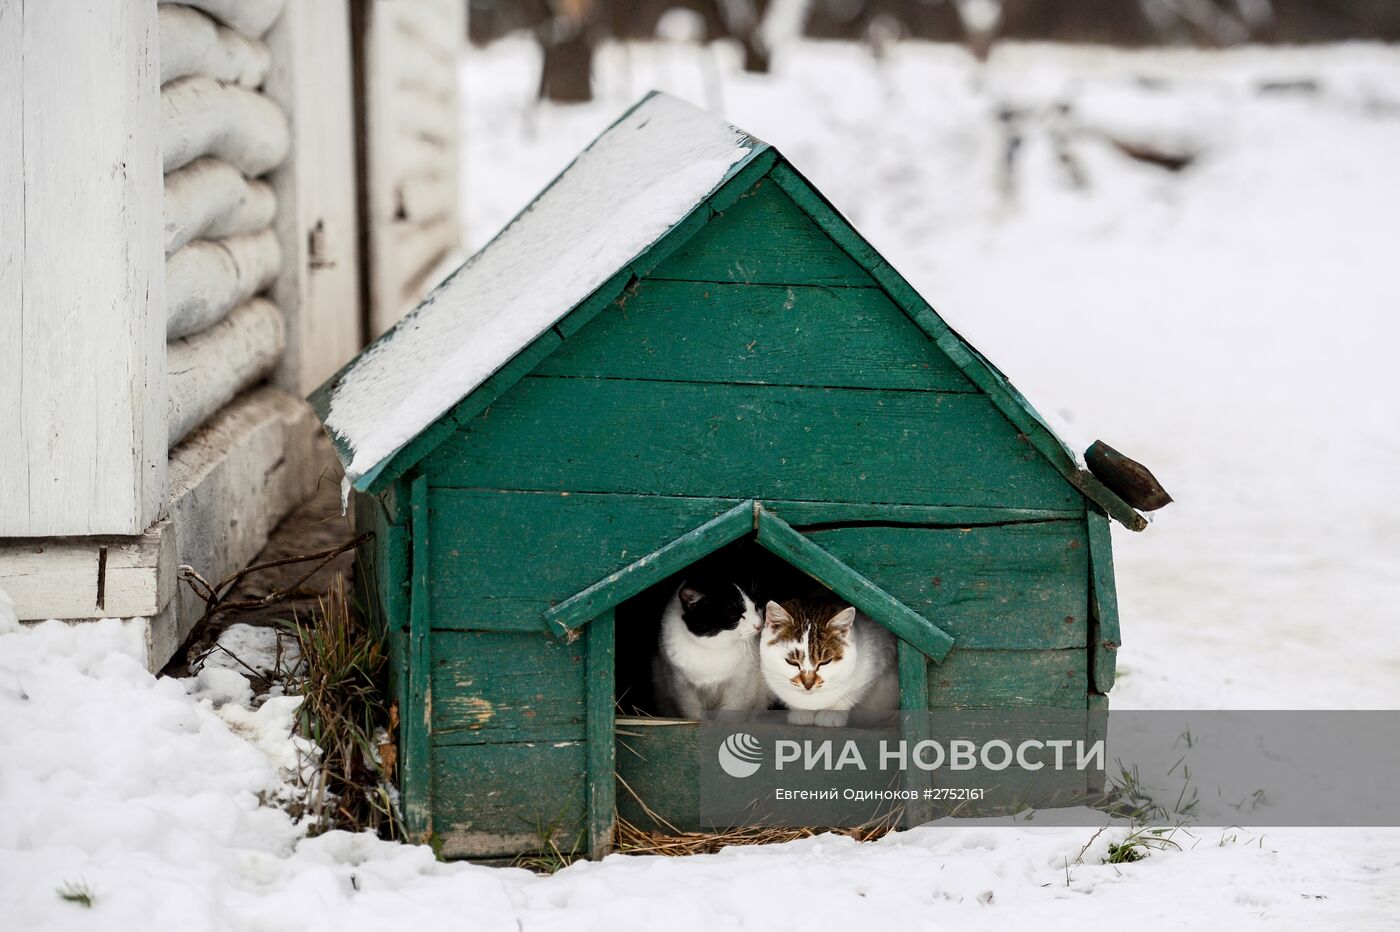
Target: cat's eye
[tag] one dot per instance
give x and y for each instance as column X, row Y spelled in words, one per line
column 792, row 662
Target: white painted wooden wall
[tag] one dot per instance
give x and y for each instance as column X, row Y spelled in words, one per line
column 82, row 316
column 202, row 154
column 410, row 84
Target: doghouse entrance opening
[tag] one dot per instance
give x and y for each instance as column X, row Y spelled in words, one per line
column 759, row 573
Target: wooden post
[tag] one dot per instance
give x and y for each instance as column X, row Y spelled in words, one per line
column 913, row 717
column 82, row 317
column 318, row 288
column 417, row 781
column 602, row 744
column 1104, row 636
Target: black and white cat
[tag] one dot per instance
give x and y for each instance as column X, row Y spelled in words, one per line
column 708, row 654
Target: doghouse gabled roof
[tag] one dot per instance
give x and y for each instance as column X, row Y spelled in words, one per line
column 641, row 190
column 775, row 535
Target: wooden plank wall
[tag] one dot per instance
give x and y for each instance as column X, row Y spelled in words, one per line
column 408, row 56
column 82, row 326
column 317, row 219
column 748, row 365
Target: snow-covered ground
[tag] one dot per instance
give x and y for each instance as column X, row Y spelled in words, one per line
column 1229, row 324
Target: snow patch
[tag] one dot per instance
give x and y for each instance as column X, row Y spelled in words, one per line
column 9, row 619
column 260, row 649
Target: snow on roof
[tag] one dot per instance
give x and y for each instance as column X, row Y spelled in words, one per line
column 638, row 179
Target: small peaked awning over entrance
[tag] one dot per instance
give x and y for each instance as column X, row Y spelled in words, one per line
column 775, row 535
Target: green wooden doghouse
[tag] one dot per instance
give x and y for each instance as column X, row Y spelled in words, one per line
column 677, row 345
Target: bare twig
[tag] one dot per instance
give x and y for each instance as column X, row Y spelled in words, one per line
column 1079, row 859
column 214, row 596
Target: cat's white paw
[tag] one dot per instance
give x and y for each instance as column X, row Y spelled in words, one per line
column 832, row 718
column 801, row 717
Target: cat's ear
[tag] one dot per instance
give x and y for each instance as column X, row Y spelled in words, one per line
column 690, row 597
column 841, row 622
column 776, row 616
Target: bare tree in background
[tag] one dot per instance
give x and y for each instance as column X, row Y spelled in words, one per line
column 742, row 19
column 1302, row 21
column 1104, row 22
column 930, row 20
column 566, row 37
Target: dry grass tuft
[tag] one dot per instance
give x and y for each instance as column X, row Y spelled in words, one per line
column 633, row 840
column 346, row 715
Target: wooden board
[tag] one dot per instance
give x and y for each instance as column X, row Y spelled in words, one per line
column 507, row 799
column 14, row 470
column 117, row 577
column 763, row 238
column 416, row 715
column 319, row 286
column 383, row 581
column 746, row 441
column 1104, row 634
column 814, row 515
column 656, row 770
column 493, row 687
column 1010, row 679
column 757, row 334
column 82, row 333
column 602, row 692
column 1017, row 586
column 232, row 481
column 913, row 698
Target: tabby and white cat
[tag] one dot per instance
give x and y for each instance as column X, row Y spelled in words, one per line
column 708, row 656
column 822, row 660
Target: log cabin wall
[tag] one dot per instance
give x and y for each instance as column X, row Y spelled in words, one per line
column 221, row 137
